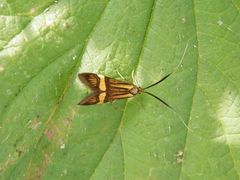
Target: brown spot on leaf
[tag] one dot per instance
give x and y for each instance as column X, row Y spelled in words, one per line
column 35, row 123
column 47, row 159
column 49, row 134
column 39, row 173
column 179, row 156
column 19, row 152
column 68, row 122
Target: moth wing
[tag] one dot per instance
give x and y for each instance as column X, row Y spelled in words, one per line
column 116, row 96
column 117, row 89
column 104, row 89
column 90, row 99
column 90, row 79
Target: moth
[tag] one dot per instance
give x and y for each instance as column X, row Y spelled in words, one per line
column 106, row 89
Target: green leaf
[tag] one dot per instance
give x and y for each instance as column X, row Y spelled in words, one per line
column 44, row 134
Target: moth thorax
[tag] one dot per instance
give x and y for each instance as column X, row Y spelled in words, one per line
column 134, row 90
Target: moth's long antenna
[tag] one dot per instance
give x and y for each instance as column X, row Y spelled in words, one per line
column 181, row 119
column 157, row 98
column 158, row 81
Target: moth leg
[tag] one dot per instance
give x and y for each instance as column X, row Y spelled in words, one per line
column 121, row 75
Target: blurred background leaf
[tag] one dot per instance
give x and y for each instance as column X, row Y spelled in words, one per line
column 44, row 134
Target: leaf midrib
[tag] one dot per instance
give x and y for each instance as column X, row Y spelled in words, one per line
column 126, row 104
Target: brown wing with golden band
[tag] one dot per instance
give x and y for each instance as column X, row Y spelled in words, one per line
column 117, row 89
column 104, row 89
column 97, row 84
column 90, row 79
column 94, row 98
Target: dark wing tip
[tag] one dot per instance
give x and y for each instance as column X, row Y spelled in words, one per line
column 80, row 103
column 83, row 102
column 91, row 99
column 82, row 76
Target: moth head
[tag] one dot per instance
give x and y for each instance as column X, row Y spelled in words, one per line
column 135, row 90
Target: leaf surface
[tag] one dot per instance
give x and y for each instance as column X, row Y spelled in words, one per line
column 45, row 134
